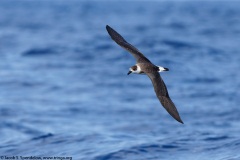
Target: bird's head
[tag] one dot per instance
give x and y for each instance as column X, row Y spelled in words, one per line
column 134, row 69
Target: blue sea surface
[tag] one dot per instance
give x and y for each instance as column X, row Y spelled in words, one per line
column 64, row 89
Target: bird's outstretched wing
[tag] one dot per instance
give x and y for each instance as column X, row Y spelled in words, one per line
column 123, row 43
column 162, row 94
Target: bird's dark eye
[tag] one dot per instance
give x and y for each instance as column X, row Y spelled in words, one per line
column 134, row 68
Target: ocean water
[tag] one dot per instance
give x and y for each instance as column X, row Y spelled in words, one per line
column 64, row 89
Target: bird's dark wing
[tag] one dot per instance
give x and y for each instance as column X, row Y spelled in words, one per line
column 123, row 43
column 162, row 94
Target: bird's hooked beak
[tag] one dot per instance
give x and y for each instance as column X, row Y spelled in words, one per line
column 129, row 72
column 166, row 69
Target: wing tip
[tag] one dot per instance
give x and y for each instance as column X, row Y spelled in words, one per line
column 170, row 107
column 177, row 118
column 108, row 27
column 180, row 121
column 110, row 31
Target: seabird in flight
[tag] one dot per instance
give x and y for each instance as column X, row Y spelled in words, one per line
column 145, row 66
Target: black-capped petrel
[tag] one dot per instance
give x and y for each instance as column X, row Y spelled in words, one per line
column 145, row 66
